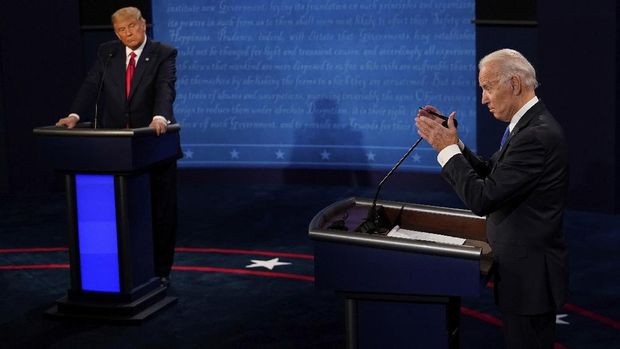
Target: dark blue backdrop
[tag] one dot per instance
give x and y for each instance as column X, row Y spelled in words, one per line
column 317, row 84
column 574, row 47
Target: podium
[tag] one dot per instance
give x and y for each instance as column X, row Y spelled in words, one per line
column 398, row 292
column 109, row 219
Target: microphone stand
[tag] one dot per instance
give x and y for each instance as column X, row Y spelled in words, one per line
column 375, row 217
column 105, row 68
column 376, row 220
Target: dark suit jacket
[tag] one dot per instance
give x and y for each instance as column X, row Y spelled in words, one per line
column 522, row 189
column 152, row 88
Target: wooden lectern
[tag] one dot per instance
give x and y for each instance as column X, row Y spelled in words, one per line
column 109, row 219
column 400, row 293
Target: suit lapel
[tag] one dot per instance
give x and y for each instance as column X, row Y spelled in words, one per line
column 116, row 73
column 143, row 65
column 536, row 109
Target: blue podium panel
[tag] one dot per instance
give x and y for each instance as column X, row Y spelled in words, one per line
column 97, row 232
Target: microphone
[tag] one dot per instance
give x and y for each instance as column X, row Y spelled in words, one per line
column 376, row 220
column 105, row 68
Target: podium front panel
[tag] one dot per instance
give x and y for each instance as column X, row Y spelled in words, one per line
column 97, row 233
column 109, row 213
column 354, row 268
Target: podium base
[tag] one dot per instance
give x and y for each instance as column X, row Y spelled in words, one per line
column 133, row 313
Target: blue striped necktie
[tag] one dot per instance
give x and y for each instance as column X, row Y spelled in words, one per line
column 505, row 137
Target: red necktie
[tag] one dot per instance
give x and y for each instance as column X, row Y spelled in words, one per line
column 131, row 67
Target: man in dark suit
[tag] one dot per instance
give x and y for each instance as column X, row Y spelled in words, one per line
column 133, row 85
column 521, row 189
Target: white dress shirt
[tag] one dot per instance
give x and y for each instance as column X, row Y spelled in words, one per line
column 448, row 152
column 138, row 52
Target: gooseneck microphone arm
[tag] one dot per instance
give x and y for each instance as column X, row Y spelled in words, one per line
column 105, row 68
column 376, row 217
column 373, row 212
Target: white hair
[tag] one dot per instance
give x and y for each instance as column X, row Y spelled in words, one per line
column 512, row 63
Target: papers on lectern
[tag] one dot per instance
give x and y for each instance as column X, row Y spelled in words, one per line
column 398, row 232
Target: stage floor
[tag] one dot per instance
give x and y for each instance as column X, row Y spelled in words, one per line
column 229, row 238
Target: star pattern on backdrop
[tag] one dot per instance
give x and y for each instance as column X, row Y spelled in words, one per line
column 370, row 156
column 189, row 154
column 416, row 157
column 325, row 155
column 234, row 154
column 280, row 154
column 269, row 264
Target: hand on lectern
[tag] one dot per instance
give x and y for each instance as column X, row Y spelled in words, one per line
column 68, row 122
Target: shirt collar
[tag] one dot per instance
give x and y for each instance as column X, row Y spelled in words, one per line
column 522, row 112
column 137, row 51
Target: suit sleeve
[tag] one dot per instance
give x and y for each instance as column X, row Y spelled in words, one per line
column 513, row 176
column 165, row 91
column 481, row 166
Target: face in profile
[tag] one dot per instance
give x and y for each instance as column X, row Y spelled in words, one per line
column 130, row 31
column 497, row 93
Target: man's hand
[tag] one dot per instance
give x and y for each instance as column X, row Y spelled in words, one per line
column 159, row 125
column 423, row 112
column 430, row 128
column 69, row 121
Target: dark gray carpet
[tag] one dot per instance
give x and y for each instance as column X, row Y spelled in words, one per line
column 220, row 308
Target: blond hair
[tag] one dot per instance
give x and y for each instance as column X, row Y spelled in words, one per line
column 128, row 13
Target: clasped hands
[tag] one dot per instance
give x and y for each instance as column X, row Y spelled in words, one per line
column 430, row 128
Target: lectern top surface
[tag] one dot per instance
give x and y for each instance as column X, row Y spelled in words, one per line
column 86, row 130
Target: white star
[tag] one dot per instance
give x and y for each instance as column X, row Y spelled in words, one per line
column 234, row 154
column 270, row 264
column 559, row 317
column 416, row 157
column 189, row 154
column 279, row 154
column 325, row 155
column 371, row 156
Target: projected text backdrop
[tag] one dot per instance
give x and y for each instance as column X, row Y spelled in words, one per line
column 317, row 83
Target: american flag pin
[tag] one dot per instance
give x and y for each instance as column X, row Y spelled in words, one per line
column 147, row 59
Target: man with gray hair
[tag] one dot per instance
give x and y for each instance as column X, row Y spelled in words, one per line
column 521, row 189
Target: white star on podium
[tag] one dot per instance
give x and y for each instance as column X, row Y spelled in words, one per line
column 559, row 317
column 234, row 154
column 270, row 264
column 325, row 155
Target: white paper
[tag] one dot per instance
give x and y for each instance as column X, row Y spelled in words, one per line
column 397, row 232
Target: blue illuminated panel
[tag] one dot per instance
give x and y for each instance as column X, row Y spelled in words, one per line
column 96, row 216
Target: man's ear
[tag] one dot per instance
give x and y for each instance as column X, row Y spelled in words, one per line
column 515, row 83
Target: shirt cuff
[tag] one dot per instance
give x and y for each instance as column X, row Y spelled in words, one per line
column 75, row 116
column 162, row 118
column 448, row 152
